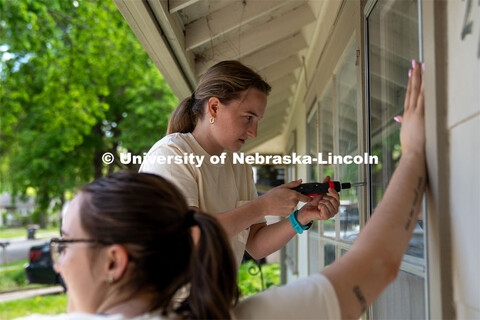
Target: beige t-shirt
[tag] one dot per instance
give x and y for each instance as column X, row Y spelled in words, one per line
column 309, row 298
column 213, row 188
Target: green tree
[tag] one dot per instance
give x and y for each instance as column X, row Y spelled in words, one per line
column 74, row 84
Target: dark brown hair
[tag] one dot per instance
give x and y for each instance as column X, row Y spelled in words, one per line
column 149, row 216
column 226, row 80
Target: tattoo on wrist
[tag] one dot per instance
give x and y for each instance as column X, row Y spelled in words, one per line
column 360, row 297
column 414, row 203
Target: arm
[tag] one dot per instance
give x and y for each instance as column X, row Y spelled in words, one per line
column 279, row 201
column 266, row 239
column 374, row 259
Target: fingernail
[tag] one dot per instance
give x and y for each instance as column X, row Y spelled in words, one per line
column 397, row 118
column 409, row 73
column 414, row 63
column 423, row 66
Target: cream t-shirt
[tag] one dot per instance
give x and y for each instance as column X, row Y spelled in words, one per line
column 309, row 298
column 213, row 188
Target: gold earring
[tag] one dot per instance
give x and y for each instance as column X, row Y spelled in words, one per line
column 212, row 120
column 110, row 279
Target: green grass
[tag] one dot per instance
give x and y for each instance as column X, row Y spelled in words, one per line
column 19, row 263
column 9, row 233
column 53, row 304
column 12, row 277
column 251, row 284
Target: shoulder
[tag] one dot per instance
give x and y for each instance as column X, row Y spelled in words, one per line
column 72, row 316
column 86, row 316
column 180, row 141
column 312, row 297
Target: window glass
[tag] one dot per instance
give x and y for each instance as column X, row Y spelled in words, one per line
column 393, row 43
column 328, row 253
column 312, row 140
column 291, row 246
column 313, row 233
column 346, row 101
column 326, row 147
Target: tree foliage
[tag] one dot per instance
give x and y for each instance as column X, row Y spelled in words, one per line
column 74, row 84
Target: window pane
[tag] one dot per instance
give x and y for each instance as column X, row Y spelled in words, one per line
column 312, row 144
column 291, row 247
column 393, row 43
column 326, row 136
column 403, row 299
column 313, row 249
column 346, row 97
column 313, row 233
column 329, row 254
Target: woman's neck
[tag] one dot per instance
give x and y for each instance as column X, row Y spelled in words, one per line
column 205, row 139
column 129, row 308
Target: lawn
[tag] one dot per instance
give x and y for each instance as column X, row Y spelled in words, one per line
column 9, row 233
column 12, row 277
column 53, row 304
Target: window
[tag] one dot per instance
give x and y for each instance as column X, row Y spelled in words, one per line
column 347, row 138
column 340, row 122
column 312, row 147
column 326, row 147
column 291, row 246
column 392, row 35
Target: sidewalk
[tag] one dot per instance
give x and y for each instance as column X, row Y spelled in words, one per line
column 44, row 235
column 24, row 294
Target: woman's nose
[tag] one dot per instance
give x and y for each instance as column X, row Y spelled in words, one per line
column 252, row 131
column 56, row 267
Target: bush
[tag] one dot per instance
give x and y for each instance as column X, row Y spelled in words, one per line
column 251, row 282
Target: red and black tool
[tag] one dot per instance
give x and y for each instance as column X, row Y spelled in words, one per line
column 315, row 188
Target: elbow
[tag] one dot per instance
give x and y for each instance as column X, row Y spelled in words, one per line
column 385, row 270
column 256, row 254
column 391, row 269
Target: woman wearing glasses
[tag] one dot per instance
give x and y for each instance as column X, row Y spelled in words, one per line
column 128, row 248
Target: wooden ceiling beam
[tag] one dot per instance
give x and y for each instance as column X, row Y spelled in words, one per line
column 281, row 68
column 177, row 5
column 275, row 52
column 226, row 20
column 258, row 37
column 273, row 99
column 283, row 83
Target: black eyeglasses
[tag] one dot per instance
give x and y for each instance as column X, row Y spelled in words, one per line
column 58, row 245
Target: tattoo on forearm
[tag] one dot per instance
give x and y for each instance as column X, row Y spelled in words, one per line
column 414, row 203
column 360, row 297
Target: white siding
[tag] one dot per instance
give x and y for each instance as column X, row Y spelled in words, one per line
column 464, row 130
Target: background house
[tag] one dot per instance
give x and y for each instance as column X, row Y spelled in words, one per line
column 339, row 71
column 12, row 211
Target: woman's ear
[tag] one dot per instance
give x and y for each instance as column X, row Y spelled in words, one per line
column 212, row 106
column 116, row 264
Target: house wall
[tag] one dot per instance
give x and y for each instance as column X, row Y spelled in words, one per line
column 463, row 125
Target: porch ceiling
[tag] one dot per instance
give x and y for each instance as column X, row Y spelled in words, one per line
column 186, row 37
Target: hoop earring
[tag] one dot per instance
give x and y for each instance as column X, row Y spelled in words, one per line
column 212, row 120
